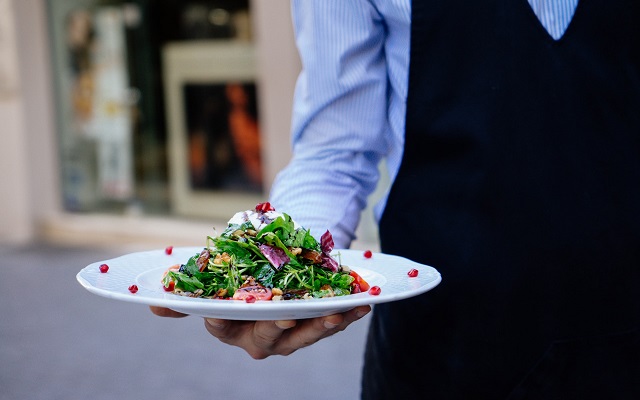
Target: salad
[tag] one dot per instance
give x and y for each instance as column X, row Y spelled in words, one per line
column 264, row 255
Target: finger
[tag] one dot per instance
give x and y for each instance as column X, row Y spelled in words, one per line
column 219, row 328
column 355, row 314
column 229, row 332
column 339, row 322
column 165, row 312
column 312, row 330
column 257, row 338
column 267, row 334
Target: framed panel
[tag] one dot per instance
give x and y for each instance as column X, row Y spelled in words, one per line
column 214, row 143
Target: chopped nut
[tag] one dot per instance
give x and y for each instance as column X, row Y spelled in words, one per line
column 249, row 281
column 328, row 291
column 277, row 291
column 276, row 298
column 296, row 250
column 217, row 260
column 222, row 258
column 238, row 233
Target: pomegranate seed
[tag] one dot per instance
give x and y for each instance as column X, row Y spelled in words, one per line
column 168, row 250
column 133, row 288
column 104, row 268
column 250, row 299
column 412, row 273
column 375, row 290
column 368, row 254
column 264, row 207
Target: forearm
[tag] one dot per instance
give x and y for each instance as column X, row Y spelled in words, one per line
column 339, row 122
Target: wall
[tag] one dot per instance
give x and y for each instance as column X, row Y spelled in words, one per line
column 15, row 215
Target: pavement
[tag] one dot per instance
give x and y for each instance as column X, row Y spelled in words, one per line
column 58, row 341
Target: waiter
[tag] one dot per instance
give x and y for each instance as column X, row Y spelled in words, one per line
column 522, row 161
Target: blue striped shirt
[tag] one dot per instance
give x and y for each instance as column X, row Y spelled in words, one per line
column 349, row 106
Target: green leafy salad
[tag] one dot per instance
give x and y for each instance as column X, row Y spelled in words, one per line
column 263, row 255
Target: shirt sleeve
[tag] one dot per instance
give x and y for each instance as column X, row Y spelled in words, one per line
column 339, row 126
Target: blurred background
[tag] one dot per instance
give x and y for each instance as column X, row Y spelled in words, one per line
column 131, row 125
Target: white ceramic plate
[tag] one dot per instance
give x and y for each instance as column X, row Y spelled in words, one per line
column 145, row 270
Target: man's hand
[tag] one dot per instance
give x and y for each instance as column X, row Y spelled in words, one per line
column 261, row 339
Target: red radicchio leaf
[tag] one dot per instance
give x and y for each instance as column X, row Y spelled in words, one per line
column 329, row 263
column 326, row 243
column 276, row 256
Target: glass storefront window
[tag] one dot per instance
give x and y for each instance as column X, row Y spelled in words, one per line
column 116, row 125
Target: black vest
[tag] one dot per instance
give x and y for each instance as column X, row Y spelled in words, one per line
column 520, row 183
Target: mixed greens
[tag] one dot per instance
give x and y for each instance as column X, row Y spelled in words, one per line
column 263, row 255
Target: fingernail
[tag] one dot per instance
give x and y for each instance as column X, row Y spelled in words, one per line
column 360, row 313
column 216, row 323
column 329, row 325
column 285, row 324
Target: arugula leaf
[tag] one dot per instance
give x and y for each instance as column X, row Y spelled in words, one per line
column 186, row 282
column 281, row 227
column 309, row 242
column 265, row 275
column 303, row 238
column 234, row 227
column 242, row 250
column 191, row 267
